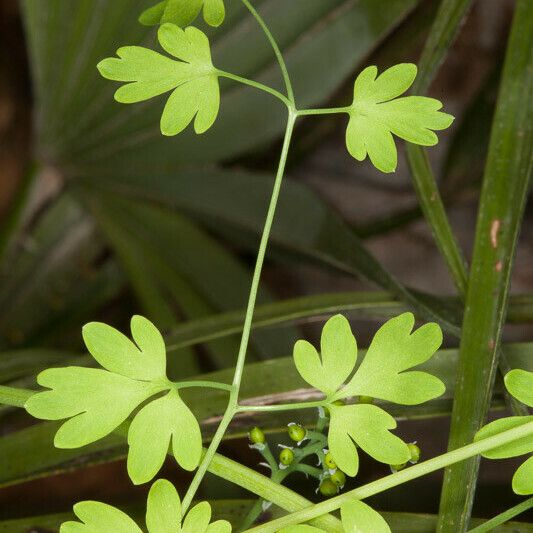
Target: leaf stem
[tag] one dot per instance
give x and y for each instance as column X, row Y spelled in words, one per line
column 232, row 407
column 205, row 384
column 403, row 476
column 277, row 51
column 14, row 397
column 500, row 519
column 325, row 111
column 257, row 85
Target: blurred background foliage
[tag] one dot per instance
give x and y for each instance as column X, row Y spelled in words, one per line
column 102, row 218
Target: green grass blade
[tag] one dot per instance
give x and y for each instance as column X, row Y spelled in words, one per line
column 441, row 36
column 493, row 523
column 306, row 228
column 505, row 188
column 443, row 32
column 433, row 208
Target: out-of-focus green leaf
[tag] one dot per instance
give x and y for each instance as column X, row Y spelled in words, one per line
column 198, row 274
column 304, row 227
column 505, row 188
column 51, row 279
column 443, row 32
column 184, row 12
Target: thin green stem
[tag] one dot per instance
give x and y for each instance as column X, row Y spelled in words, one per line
column 325, row 111
column 14, row 397
column 388, row 482
column 500, row 519
column 204, row 384
column 262, row 251
column 280, row 407
column 277, row 51
column 232, row 407
column 257, row 85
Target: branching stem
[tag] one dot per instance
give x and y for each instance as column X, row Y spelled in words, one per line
column 233, row 405
column 256, row 85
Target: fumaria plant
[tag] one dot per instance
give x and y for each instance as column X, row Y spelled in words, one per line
column 131, row 394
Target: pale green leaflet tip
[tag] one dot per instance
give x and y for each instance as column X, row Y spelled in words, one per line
column 519, row 383
column 184, row 12
column 376, row 114
column 191, row 77
column 338, row 355
column 97, row 400
column 163, row 515
column 359, row 517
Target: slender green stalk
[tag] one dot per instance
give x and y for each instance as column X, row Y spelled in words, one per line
column 493, row 523
column 388, row 482
column 280, row 407
column 501, row 206
column 232, row 407
column 204, row 384
column 275, row 47
column 14, row 397
column 325, row 111
column 256, row 85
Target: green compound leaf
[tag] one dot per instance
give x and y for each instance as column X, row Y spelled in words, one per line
column 358, row 517
column 97, row 401
column 163, row 515
column 329, row 370
column 171, row 420
column 193, row 79
column 376, row 113
column 519, row 383
column 394, row 349
column 367, row 426
column 98, row 516
column 184, row 12
column 523, row 478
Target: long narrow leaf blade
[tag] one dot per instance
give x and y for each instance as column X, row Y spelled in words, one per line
column 505, row 188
